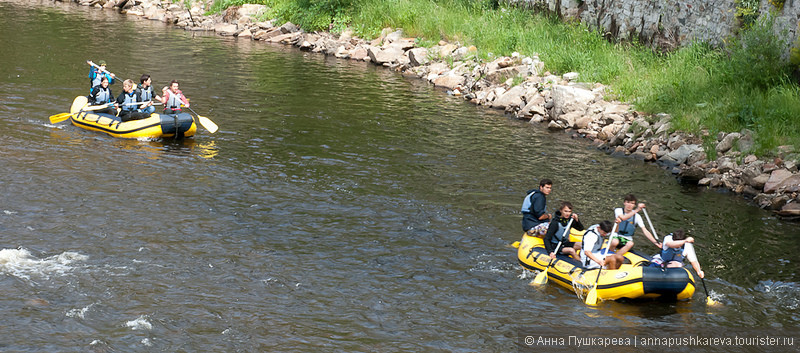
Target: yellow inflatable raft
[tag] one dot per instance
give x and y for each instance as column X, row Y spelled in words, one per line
column 634, row 279
column 156, row 126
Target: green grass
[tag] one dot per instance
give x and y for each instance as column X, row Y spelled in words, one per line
column 746, row 85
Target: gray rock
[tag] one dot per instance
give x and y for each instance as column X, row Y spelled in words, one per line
column 511, row 97
column 775, row 179
column 727, row 142
column 683, row 152
column 418, row 56
column 384, row 56
column 691, row 173
column 726, row 164
column 450, row 82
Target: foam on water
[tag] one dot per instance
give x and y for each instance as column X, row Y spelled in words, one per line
column 140, row 323
column 20, row 263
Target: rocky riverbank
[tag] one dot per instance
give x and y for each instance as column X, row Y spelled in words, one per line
column 520, row 86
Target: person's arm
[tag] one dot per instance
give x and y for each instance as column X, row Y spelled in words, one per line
column 93, row 95
column 692, row 257
column 647, row 233
column 538, row 204
column 184, row 100
column 551, row 231
column 675, row 244
column 576, row 223
column 165, row 98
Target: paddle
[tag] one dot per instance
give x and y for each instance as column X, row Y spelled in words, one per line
column 591, row 297
column 709, row 301
column 541, row 278
column 101, row 69
column 206, row 122
column 651, row 223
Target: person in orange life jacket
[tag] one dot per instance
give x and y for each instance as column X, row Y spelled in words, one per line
column 592, row 245
column 101, row 94
column 677, row 247
column 95, row 74
column 629, row 218
column 556, row 232
column 534, row 209
column 145, row 92
column 127, row 100
column 173, row 98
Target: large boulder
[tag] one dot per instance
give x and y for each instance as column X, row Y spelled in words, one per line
column 450, row 81
column 569, row 99
column 775, row 179
column 418, row 56
column 511, row 97
column 683, row 152
column 381, row 56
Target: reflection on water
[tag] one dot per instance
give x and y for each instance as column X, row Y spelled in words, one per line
column 340, row 207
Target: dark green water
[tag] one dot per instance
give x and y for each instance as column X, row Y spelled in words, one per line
column 341, row 207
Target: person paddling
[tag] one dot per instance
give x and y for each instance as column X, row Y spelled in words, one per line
column 628, row 218
column 100, row 95
column 173, row 98
column 97, row 73
column 592, row 245
column 127, row 101
column 557, row 232
column 677, row 247
column 534, row 209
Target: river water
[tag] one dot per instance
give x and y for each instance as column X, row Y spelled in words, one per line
column 340, row 207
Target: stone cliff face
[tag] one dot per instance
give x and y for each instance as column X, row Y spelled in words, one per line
column 666, row 24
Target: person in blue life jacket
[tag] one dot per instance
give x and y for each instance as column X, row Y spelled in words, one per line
column 129, row 103
column 100, row 95
column 677, row 247
column 629, row 219
column 557, row 232
column 96, row 74
column 593, row 250
column 534, row 209
column 145, row 91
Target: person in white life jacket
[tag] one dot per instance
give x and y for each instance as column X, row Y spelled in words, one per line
column 557, row 232
column 593, row 250
column 173, row 98
column 127, row 103
column 629, row 219
column 534, row 209
column 677, row 247
column 100, row 95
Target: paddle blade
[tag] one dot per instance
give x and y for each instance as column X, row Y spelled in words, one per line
column 55, row 119
column 78, row 104
column 515, row 245
column 541, row 278
column 711, row 302
column 208, row 124
column 591, row 297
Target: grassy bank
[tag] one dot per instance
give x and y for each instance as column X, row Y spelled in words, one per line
column 744, row 86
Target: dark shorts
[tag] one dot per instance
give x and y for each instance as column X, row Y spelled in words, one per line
column 566, row 244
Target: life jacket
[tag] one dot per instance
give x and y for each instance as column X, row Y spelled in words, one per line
column 103, row 95
column 595, row 248
column 559, row 235
column 527, row 204
column 173, row 101
column 146, row 94
column 671, row 254
column 129, row 98
column 627, row 227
